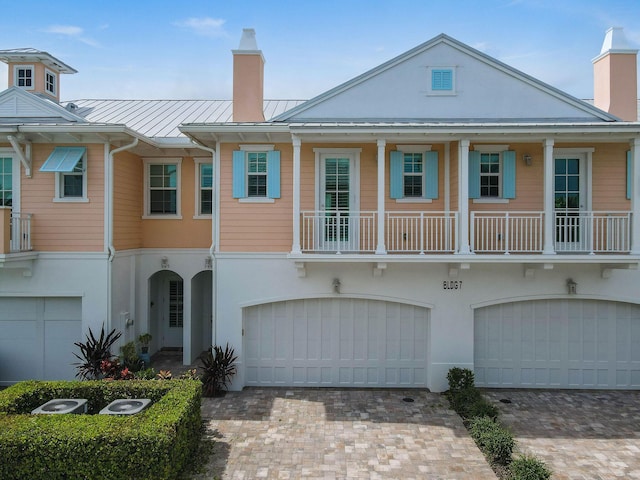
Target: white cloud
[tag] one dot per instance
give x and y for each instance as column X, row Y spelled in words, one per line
column 210, row 27
column 69, row 30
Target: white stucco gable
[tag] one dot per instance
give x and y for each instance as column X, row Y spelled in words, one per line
column 482, row 89
column 18, row 106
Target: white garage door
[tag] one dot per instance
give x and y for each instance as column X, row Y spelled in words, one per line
column 558, row 343
column 336, row 342
column 37, row 336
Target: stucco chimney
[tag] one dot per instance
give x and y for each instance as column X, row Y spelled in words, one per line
column 615, row 76
column 248, row 79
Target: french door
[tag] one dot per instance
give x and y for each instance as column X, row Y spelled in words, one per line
column 572, row 228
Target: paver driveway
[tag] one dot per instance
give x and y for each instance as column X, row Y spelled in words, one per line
column 579, row 434
column 333, row 433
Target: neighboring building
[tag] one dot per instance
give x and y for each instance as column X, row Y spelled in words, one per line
column 443, row 209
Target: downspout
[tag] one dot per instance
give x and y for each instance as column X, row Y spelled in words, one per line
column 109, row 217
column 214, row 219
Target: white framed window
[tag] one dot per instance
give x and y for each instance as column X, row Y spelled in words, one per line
column 413, row 174
column 24, row 76
column 204, row 188
column 492, row 174
column 162, row 188
column 256, row 173
column 441, row 80
column 72, row 186
column 50, row 82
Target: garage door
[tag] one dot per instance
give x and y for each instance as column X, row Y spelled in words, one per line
column 37, row 336
column 336, row 342
column 558, row 343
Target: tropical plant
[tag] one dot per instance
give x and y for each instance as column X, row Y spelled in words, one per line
column 218, row 367
column 129, row 357
column 93, row 352
column 144, row 340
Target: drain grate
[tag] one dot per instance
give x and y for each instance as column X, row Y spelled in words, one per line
column 505, row 400
column 408, row 399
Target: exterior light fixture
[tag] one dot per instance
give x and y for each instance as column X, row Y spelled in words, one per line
column 571, row 287
column 336, row 285
column 164, row 263
column 527, row 159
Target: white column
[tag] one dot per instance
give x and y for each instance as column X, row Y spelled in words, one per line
column 463, row 198
column 295, row 248
column 381, row 248
column 549, row 222
column 635, row 196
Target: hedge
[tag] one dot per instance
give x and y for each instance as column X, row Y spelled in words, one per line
column 154, row 444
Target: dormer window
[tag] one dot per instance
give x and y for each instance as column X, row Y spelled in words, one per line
column 50, row 82
column 24, row 77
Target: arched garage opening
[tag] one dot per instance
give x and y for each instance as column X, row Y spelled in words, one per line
column 558, row 343
column 336, row 342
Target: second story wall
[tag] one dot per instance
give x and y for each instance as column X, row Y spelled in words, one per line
column 127, row 201
column 65, row 224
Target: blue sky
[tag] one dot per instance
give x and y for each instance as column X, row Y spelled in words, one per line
column 167, row 49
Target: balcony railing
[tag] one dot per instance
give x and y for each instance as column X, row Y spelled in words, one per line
column 428, row 232
column 20, row 232
column 506, row 232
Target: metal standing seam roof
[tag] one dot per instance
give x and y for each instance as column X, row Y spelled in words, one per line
column 161, row 118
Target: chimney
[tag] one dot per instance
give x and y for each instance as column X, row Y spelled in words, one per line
column 248, row 79
column 615, row 77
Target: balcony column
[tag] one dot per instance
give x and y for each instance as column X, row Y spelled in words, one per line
column 635, row 196
column 463, row 197
column 549, row 222
column 295, row 248
column 381, row 248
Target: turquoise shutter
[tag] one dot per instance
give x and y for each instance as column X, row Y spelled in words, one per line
column 431, row 175
column 239, row 175
column 396, row 182
column 509, row 174
column 474, row 174
column 273, row 174
column 629, row 175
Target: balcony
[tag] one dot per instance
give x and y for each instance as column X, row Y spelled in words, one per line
column 15, row 231
column 576, row 232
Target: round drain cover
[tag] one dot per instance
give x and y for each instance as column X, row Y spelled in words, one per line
column 407, row 399
column 505, row 400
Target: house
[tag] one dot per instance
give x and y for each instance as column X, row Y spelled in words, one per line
column 442, row 209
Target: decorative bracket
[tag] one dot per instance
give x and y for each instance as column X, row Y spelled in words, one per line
column 25, row 158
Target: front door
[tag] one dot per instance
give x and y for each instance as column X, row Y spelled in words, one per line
column 10, row 192
column 172, row 321
column 569, row 196
column 338, row 229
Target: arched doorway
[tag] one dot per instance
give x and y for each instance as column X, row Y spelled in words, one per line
column 166, row 312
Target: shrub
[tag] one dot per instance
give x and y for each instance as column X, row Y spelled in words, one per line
column 93, row 352
column 460, row 379
column 495, row 441
column 154, row 444
column 218, row 367
column 129, row 358
column 528, row 468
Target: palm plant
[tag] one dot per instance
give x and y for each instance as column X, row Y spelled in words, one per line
column 93, row 352
column 218, row 367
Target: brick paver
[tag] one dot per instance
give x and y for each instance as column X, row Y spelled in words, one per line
column 579, row 434
column 283, row 433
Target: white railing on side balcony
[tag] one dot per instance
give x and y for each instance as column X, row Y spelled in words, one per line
column 421, row 232
column 334, row 231
column 592, row 232
column 506, row 232
column 20, row 232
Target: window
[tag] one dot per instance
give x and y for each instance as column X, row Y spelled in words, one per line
column 24, row 77
column 70, row 166
column 414, row 173
column 50, row 82
column 204, row 187
column 492, row 173
column 256, row 173
column 442, row 80
column 162, row 182
column 72, row 184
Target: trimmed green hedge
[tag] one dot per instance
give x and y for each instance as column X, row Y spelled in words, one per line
column 154, row 444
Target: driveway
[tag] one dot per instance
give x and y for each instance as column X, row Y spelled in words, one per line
column 579, row 434
column 335, row 434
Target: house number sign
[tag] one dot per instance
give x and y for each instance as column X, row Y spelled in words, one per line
column 452, row 285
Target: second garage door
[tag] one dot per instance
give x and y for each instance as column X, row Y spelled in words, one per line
column 336, row 342
column 558, row 343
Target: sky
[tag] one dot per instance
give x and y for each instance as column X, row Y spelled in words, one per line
column 139, row 49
